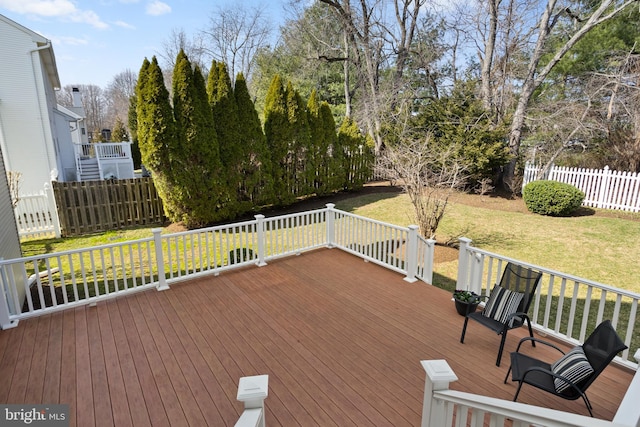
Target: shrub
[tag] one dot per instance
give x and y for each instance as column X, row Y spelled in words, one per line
column 552, row 198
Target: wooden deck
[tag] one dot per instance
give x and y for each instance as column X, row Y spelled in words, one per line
column 340, row 339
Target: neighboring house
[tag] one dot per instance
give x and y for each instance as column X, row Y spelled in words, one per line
column 40, row 139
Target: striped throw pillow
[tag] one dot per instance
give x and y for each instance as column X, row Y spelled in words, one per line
column 573, row 366
column 502, row 302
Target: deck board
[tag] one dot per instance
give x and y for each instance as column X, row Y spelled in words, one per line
column 341, row 340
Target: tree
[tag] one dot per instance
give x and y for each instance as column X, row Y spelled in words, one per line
column 201, row 192
column 235, row 35
column 156, row 131
column 225, row 117
column 322, row 143
column 177, row 41
column 94, row 103
column 132, row 122
column 256, row 185
column 117, row 95
column 299, row 171
column 277, row 131
column 537, row 72
column 429, row 173
column 119, row 132
column 355, row 154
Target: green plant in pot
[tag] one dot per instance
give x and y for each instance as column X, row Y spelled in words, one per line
column 466, row 301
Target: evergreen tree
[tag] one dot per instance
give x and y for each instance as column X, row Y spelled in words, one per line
column 225, row 118
column 256, row 186
column 320, row 142
column 119, row 132
column 278, row 132
column 333, row 160
column 301, row 173
column 202, row 195
column 132, row 122
column 156, row 130
column 357, row 155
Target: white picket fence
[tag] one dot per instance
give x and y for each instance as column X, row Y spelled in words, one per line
column 36, row 214
column 603, row 188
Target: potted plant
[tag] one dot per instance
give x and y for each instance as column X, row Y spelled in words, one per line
column 466, row 301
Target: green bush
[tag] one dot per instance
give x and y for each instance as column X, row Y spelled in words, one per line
column 552, row 198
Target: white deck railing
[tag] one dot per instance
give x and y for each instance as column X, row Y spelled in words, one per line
column 43, row 283
column 565, row 306
column 443, row 407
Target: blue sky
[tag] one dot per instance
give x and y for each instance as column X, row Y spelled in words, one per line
column 95, row 40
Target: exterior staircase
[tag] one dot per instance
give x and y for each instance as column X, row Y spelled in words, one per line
column 89, row 170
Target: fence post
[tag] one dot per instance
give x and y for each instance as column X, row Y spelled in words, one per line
column 331, row 217
column 162, row 279
column 260, row 231
column 411, row 254
column 462, row 281
column 439, row 375
column 53, row 208
column 253, row 391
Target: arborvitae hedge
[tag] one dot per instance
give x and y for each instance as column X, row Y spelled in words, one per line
column 225, row 116
column 277, row 131
column 301, row 172
column 358, row 156
column 156, row 130
column 199, row 184
column 256, row 186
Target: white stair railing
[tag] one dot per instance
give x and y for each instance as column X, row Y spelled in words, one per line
column 252, row 391
column 444, row 407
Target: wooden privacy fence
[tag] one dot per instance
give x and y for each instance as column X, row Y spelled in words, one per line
column 603, row 188
column 95, row 206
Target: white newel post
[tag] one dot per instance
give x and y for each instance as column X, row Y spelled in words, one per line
column 475, row 280
column 260, row 231
column 428, row 261
column 628, row 413
column 252, row 391
column 411, row 254
column 438, row 376
column 462, row 282
column 331, row 216
column 162, row 280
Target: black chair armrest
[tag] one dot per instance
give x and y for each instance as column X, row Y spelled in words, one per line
column 554, row 375
column 537, row 340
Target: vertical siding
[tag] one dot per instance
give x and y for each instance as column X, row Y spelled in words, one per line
column 24, row 113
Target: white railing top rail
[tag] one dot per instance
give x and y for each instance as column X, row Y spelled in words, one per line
column 624, row 292
column 298, row 214
column 210, row 229
column 370, row 220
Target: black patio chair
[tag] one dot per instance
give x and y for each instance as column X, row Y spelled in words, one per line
column 571, row 375
column 508, row 304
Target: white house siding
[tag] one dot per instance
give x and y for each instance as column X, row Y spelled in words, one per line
column 10, row 247
column 27, row 100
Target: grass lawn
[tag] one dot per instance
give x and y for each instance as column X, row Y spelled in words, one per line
column 602, row 246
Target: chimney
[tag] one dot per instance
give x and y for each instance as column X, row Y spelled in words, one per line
column 77, row 99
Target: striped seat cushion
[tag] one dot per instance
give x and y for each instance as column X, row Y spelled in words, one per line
column 573, row 366
column 502, row 302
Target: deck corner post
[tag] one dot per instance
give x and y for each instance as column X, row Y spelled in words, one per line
column 411, row 254
column 260, row 232
column 331, row 217
column 429, row 255
column 438, row 377
column 462, row 281
column 162, row 279
column 252, row 391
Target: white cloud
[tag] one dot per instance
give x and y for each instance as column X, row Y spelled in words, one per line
column 123, row 24
column 156, row 8
column 63, row 9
